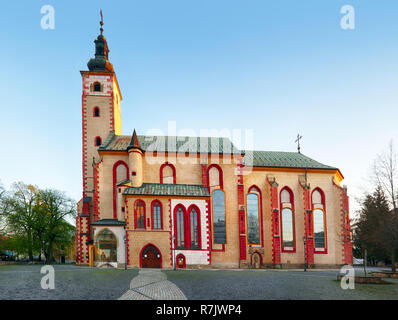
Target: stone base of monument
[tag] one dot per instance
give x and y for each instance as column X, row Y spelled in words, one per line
column 385, row 274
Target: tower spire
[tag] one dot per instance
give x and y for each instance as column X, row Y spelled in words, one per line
column 101, row 63
column 101, row 22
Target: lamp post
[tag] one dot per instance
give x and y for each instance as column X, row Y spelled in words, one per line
column 174, row 253
column 305, row 253
column 125, row 252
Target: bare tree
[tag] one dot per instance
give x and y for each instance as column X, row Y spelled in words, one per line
column 385, row 176
column 385, row 173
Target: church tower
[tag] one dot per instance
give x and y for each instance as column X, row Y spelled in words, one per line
column 100, row 107
column 101, row 114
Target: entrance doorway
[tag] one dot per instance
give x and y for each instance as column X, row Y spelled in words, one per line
column 151, row 257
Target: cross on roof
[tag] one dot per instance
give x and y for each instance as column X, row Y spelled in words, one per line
column 298, row 142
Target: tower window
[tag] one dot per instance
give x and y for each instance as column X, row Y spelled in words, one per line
column 96, row 112
column 98, row 141
column 97, row 87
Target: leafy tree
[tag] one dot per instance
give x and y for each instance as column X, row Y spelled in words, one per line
column 50, row 225
column 19, row 212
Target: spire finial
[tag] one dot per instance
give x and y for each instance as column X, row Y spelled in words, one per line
column 101, row 22
column 298, row 142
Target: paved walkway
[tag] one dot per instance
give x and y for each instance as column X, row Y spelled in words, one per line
column 152, row 284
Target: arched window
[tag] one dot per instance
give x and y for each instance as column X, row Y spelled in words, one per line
column 120, row 173
column 106, row 246
column 157, row 215
column 287, row 220
column 96, row 112
column 215, row 176
column 98, row 141
column 194, row 227
column 319, row 220
column 139, row 214
column 97, row 87
column 180, row 230
column 167, row 173
column 187, row 227
column 219, row 225
column 253, row 218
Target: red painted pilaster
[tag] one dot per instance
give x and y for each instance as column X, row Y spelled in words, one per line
column 276, row 239
column 241, row 214
column 308, row 229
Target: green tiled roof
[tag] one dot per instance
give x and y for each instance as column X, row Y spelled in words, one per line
column 171, row 144
column 281, row 159
column 213, row 145
column 158, row 189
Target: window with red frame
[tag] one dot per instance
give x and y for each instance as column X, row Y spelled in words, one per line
column 319, row 220
column 287, row 219
column 140, row 215
column 167, row 173
column 187, row 228
column 156, row 215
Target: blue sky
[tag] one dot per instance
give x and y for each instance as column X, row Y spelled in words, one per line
column 277, row 67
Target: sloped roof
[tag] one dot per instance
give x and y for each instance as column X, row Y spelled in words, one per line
column 171, row 144
column 282, row 160
column 214, row 146
column 159, row 189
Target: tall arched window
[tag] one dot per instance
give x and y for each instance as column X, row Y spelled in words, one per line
column 120, row 173
column 253, row 217
column 319, row 221
column 157, row 215
column 180, row 230
column 139, row 214
column 219, row 225
column 167, row 173
column 194, row 221
column 105, row 246
column 287, row 220
column 96, row 112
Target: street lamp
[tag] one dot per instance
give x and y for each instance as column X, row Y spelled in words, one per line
column 305, row 253
column 125, row 252
column 174, row 252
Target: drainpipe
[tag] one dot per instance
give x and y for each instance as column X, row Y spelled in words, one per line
column 125, row 250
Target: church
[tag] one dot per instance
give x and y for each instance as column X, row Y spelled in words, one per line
column 198, row 202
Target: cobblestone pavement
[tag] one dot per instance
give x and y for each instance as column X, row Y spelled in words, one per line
column 22, row 282
column 275, row 285
column 152, row 284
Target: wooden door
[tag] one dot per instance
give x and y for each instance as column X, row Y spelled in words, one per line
column 150, row 257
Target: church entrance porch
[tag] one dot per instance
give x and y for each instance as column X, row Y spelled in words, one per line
column 150, row 257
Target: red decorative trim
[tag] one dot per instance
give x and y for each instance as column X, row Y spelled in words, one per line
column 208, row 237
column 172, row 168
column 138, row 201
column 161, row 214
column 204, row 176
column 160, row 253
column 171, row 235
column 241, row 214
column 220, row 175
column 257, row 189
column 325, row 251
column 96, row 199
column 294, row 219
column 308, row 225
column 120, row 162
